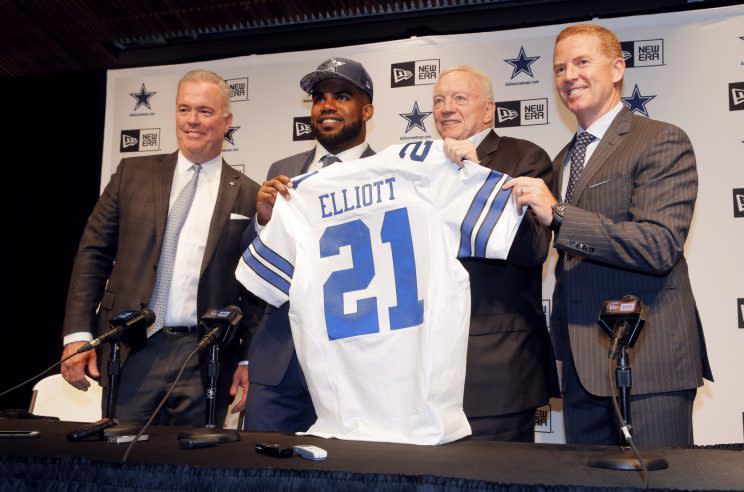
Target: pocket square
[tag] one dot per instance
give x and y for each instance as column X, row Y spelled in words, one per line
column 238, row 217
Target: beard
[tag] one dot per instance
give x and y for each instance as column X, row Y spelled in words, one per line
column 348, row 132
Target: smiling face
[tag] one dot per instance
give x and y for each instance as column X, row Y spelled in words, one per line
column 339, row 113
column 587, row 78
column 461, row 106
column 201, row 122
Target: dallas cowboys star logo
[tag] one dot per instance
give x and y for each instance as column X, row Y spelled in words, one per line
column 229, row 134
column 522, row 63
column 331, row 65
column 142, row 97
column 415, row 118
column 637, row 103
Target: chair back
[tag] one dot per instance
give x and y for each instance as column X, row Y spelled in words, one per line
column 55, row 397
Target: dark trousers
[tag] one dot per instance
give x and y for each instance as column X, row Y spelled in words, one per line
column 286, row 407
column 148, row 374
column 658, row 420
column 515, row 427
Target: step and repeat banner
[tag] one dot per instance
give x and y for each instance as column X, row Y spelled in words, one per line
column 685, row 68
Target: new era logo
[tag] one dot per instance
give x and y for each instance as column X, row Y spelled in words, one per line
column 738, row 202
column 399, row 75
column 144, row 140
column 238, row 89
column 736, row 96
column 419, row 72
column 505, row 114
column 527, row 112
column 301, row 129
column 643, row 53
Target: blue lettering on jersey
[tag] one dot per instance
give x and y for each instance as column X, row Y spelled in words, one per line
column 408, row 311
column 417, row 153
column 360, row 196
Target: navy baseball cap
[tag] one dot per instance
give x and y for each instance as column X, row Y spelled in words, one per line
column 339, row 68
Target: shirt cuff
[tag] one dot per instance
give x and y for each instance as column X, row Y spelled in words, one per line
column 80, row 336
column 243, row 363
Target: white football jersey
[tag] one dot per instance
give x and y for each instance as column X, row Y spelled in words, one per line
column 366, row 253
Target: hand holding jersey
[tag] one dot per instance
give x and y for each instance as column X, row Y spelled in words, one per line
column 367, row 253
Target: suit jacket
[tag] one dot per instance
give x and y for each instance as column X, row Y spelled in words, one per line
column 626, row 235
column 510, row 363
column 119, row 251
column 272, row 348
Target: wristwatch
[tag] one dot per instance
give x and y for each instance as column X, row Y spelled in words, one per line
column 559, row 210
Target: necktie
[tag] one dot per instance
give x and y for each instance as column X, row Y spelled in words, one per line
column 577, row 163
column 176, row 217
column 329, row 159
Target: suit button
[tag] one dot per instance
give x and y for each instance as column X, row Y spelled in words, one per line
column 567, row 256
column 572, row 243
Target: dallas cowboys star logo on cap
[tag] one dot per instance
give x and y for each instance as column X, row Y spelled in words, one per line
column 522, row 63
column 415, row 118
column 142, row 97
column 637, row 103
column 331, row 65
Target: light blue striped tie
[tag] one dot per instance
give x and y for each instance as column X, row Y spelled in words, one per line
column 176, row 217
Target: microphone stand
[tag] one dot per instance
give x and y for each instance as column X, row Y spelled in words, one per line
column 114, row 368
column 626, row 458
column 113, row 373
column 210, row 434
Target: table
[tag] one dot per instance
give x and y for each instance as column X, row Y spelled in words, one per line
column 51, row 462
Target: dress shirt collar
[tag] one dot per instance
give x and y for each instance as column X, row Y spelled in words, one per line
column 209, row 169
column 347, row 155
column 599, row 127
column 479, row 137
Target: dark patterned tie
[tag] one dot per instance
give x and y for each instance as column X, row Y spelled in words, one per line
column 329, row 159
column 578, row 155
column 176, row 217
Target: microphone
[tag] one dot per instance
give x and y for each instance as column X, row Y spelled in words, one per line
column 218, row 324
column 618, row 334
column 622, row 320
column 121, row 323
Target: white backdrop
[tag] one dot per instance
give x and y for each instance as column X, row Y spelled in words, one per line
column 685, row 68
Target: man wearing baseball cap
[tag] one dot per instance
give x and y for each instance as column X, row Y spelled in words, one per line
column 277, row 396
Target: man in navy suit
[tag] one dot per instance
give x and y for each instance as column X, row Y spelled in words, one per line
column 275, row 394
column 627, row 187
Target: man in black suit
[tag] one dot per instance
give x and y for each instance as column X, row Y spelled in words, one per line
column 121, row 262
column 278, row 398
column 510, row 362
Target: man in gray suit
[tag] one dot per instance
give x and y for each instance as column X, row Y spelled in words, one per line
column 628, row 186
column 121, row 262
column 278, row 398
column 510, row 363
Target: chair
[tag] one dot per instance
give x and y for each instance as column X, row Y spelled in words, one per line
column 55, row 397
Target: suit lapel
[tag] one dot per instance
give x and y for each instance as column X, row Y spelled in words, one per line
column 609, row 143
column 162, row 172
column 229, row 187
column 488, row 147
column 558, row 162
column 308, row 161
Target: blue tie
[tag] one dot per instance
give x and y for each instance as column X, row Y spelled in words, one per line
column 329, row 159
column 176, row 217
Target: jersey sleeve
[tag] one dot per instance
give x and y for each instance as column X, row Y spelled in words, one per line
column 267, row 266
column 484, row 214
